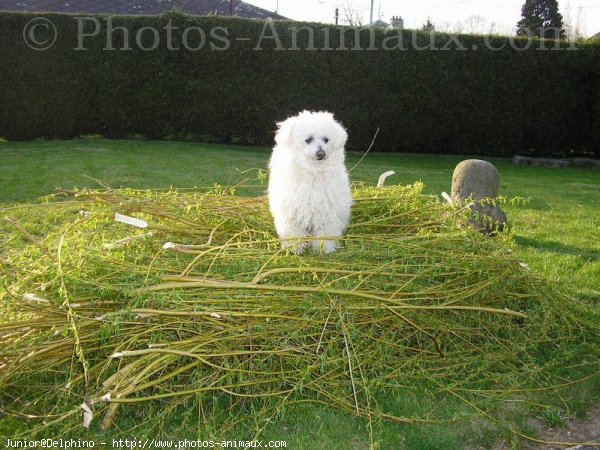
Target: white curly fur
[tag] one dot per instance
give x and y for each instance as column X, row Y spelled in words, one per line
column 310, row 198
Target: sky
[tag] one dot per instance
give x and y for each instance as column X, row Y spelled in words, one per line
column 444, row 13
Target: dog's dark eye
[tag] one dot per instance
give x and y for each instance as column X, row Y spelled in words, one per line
column 310, row 140
column 326, row 140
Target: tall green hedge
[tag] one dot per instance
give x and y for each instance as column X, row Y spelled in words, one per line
column 595, row 123
column 437, row 101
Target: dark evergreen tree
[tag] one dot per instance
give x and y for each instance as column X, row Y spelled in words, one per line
column 541, row 18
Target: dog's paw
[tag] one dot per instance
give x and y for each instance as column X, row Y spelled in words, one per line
column 324, row 246
column 293, row 246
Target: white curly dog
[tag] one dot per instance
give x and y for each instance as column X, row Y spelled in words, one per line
column 309, row 187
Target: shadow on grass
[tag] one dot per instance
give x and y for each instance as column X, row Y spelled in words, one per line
column 557, row 247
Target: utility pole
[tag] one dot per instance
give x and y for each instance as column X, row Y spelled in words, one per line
column 277, row 7
column 337, row 15
column 371, row 19
column 231, row 7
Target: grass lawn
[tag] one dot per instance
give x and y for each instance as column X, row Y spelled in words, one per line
column 556, row 233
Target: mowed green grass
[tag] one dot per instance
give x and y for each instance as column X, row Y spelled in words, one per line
column 557, row 233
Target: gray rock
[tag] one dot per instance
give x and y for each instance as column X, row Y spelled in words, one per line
column 540, row 162
column 586, row 163
column 477, row 182
column 583, row 163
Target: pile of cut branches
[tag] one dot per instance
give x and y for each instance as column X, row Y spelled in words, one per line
column 156, row 297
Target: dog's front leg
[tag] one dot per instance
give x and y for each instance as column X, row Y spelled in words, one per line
column 293, row 239
column 327, row 236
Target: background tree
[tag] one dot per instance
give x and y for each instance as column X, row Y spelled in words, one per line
column 574, row 26
column 474, row 24
column 541, row 18
column 351, row 14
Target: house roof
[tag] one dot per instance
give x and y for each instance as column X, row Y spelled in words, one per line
column 139, row 7
column 596, row 36
column 380, row 23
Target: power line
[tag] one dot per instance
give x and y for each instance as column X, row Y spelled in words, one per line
column 560, row 7
column 510, row 7
column 453, row 3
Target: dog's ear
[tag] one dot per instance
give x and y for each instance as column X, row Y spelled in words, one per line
column 341, row 135
column 285, row 131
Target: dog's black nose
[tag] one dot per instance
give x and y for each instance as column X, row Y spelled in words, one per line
column 320, row 154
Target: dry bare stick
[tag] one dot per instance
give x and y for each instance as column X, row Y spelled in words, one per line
column 398, row 303
column 349, row 355
column 324, row 328
column 113, row 408
column 414, row 325
column 110, row 415
column 35, row 241
column 171, row 394
column 101, row 183
column 367, row 152
column 518, row 433
column 300, row 270
column 349, row 344
column 218, row 284
column 70, row 313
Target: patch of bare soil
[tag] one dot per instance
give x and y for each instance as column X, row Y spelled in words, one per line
column 575, row 431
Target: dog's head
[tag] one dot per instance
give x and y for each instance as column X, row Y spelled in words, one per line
column 314, row 136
